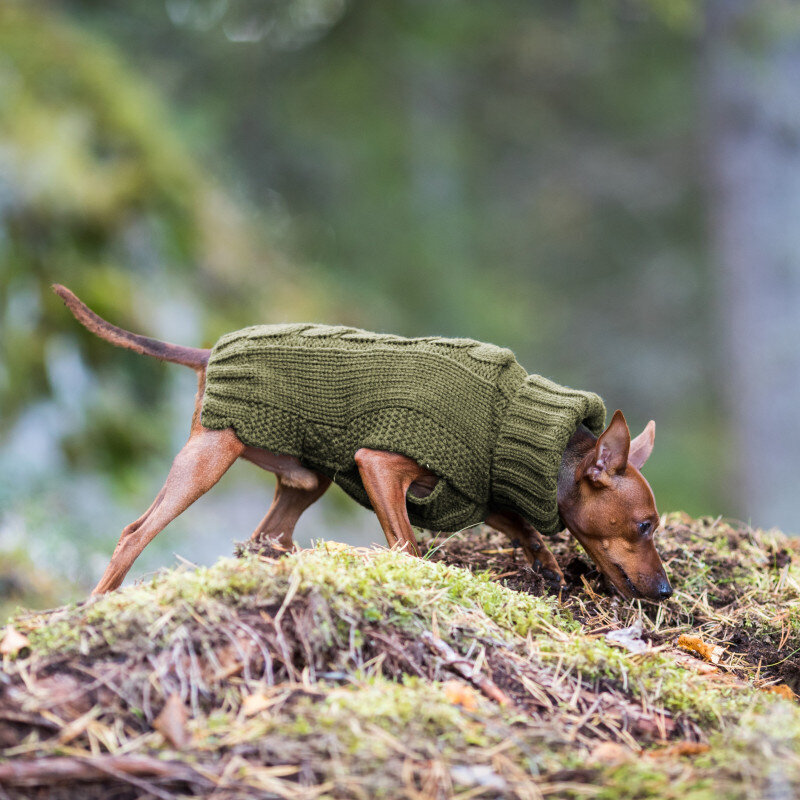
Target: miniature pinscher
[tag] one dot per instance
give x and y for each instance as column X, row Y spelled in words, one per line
column 602, row 496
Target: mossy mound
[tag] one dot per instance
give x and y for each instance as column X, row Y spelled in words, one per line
column 339, row 672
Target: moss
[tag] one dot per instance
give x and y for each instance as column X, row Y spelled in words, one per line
column 355, row 700
column 650, row 780
column 412, row 704
column 363, row 587
column 368, row 585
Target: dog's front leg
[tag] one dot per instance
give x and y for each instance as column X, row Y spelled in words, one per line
column 387, row 477
column 534, row 547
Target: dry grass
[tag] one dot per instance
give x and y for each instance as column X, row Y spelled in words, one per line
column 338, row 672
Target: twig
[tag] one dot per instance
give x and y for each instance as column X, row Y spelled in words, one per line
column 138, row 782
column 466, row 669
column 25, row 718
column 48, row 771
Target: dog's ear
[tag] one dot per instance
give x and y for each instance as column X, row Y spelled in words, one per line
column 610, row 453
column 642, row 445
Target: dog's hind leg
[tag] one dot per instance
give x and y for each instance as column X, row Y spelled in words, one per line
column 287, row 506
column 297, row 488
column 288, row 468
column 203, row 460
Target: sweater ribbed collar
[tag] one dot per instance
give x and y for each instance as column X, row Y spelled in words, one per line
column 534, row 431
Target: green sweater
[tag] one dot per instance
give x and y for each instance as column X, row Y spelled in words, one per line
column 465, row 410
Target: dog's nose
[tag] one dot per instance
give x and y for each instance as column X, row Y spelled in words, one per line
column 664, row 590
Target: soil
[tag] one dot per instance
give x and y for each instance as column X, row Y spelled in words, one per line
column 726, row 568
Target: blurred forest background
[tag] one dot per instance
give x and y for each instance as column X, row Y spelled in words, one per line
column 611, row 189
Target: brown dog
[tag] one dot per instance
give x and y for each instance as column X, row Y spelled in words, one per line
column 602, row 496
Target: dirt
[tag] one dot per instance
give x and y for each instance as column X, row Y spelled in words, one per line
column 720, row 555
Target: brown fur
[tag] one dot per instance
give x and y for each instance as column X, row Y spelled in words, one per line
column 188, row 356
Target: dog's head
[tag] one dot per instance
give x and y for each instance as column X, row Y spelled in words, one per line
column 611, row 511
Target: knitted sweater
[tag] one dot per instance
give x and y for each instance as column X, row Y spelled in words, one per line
column 463, row 409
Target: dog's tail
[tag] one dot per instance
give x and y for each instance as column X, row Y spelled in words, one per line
column 193, row 357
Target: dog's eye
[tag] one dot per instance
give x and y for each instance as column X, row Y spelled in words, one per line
column 644, row 527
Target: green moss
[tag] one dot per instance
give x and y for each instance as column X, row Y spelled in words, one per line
column 364, row 732
column 651, row 781
column 366, row 585
column 415, row 707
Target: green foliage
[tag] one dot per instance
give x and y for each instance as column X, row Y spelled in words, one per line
column 88, row 161
column 101, row 193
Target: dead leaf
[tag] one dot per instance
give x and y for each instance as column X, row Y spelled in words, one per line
column 460, row 694
column 630, row 638
column 679, row 749
column 231, row 661
column 255, row 703
column 13, row 641
column 610, row 754
column 695, row 644
column 782, row 690
column 171, row 722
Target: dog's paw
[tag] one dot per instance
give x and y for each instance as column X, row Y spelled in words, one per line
column 555, row 579
column 268, row 548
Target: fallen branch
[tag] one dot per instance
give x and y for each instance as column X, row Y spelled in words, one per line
column 47, row 771
column 465, row 668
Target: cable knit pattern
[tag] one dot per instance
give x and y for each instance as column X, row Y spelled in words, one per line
column 464, row 409
column 533, row 436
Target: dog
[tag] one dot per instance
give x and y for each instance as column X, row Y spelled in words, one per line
column 474, row 460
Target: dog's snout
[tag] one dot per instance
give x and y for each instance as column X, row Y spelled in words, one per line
column 664, row 590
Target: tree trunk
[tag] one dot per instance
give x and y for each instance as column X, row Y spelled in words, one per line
column 752, row 100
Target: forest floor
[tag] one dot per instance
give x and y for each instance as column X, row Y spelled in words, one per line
column 338, row 672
